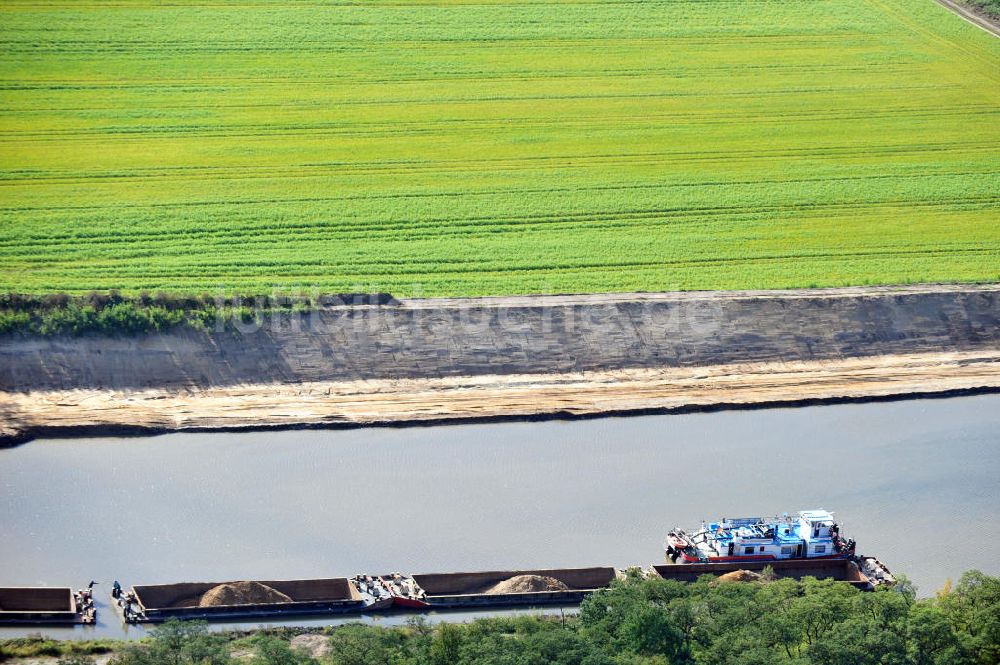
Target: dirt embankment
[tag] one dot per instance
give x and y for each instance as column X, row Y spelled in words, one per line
column 444, row 359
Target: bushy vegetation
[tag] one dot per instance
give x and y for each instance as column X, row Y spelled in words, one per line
column 99, row 313
column 990, row 7
column 651, row 622
column 454, row 147
column 38, row 645
column 115, row 314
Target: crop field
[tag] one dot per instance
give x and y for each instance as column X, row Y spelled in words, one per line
column 443, row 147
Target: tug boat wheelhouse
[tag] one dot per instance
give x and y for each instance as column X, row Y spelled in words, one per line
column 814, row 534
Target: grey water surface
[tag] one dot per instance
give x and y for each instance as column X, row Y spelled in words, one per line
column 915, row 482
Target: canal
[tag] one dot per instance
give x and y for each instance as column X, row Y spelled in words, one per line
column 913, row 481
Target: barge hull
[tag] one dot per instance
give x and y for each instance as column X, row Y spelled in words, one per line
column 469, row 590
column 318, row 596
column 844, row 570
column 285, row 610
column 38, row 605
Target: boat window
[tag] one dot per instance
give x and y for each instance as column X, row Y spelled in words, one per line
column 748, row 550
column 761, row 548
column 787, row 549
column 820, row 549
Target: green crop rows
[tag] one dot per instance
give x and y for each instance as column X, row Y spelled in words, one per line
column 449, row 147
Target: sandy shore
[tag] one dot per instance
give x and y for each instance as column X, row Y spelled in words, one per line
column 497, row 397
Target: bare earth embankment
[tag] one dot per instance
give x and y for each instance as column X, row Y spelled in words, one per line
column 448, row 359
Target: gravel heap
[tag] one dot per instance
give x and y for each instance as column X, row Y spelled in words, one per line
column 527, row 584
column 235, row 593
column 740, row 576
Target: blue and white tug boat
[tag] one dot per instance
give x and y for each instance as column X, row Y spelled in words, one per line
column 813, row 534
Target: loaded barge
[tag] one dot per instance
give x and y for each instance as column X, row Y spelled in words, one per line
column 843, row 570
column 252, row 599
column 503, row 588
column 809, row 545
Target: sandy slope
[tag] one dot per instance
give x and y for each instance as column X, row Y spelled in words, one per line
column 416, row 400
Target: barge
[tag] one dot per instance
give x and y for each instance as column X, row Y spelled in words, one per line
column 499, row 588
column 252, row 599
column 46, row 606
column 844, row 570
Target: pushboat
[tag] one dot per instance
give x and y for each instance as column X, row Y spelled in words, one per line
column 812, row 534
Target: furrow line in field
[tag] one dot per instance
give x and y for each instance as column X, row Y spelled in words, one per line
column 352, row 173
column 541, row 161
column 443, row 268
column 193, row 264
column 8, row 135
column 718, row 69
column 448, row 225
column 522, row 191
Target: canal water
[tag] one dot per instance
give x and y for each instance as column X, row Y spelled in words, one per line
column 917, row 483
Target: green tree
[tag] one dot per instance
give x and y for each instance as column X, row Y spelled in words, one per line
column 178, row 643
column 933, row 640
column 648, row 631
column 561, row 646
column 973, row 609
column 275, row 651
column 358, row 644
column 823, row 605
column 859, row 641
column 446, row 644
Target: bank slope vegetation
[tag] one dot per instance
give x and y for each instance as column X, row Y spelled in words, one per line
column 644, row 622
column 62, row 314
column 452, row 147
column 989, row 7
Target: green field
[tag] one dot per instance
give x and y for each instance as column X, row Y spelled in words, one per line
column 448, row 147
